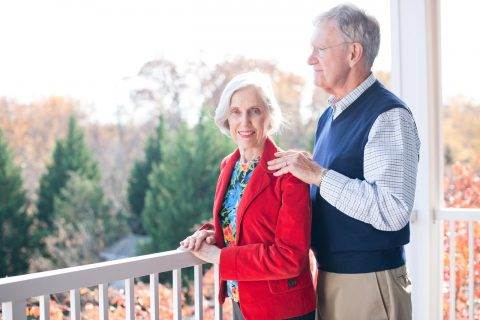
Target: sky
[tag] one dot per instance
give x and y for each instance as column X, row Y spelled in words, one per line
column 90, row 50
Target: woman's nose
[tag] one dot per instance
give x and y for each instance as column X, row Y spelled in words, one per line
column 245, row 118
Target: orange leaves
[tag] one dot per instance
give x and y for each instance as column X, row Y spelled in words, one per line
column 462, row 187
column 33, row 311
column 461, row 190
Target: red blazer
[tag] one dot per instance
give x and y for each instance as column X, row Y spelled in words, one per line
column 270, row 259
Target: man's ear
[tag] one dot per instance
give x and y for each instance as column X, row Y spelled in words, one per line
column 356, row 53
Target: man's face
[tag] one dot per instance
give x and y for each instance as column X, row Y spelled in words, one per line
column 330, row 65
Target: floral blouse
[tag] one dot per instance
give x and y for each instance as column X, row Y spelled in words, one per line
column 228, row 215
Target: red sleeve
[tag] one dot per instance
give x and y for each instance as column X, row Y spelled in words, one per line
column 287, row 256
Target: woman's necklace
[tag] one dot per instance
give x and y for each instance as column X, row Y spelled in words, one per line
column 246, row 163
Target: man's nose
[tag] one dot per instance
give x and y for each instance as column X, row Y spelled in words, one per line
column 311, row 60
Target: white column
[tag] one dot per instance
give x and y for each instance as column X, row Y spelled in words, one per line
column 416, row 79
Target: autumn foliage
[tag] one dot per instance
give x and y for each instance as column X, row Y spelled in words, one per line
column 461, row 190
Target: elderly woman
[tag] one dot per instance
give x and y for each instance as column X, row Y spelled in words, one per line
column 260, row 234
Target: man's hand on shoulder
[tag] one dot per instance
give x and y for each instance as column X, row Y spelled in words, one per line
column 300, row 164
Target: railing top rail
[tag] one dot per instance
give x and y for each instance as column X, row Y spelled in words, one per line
column 468, row 214
column 61, row 280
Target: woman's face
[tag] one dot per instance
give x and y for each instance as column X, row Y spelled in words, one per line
column 248, row 119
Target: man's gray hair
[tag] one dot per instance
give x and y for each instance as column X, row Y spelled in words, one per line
column 263, row 84
column 356, row 26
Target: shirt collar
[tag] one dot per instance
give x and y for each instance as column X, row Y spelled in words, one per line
column 340, row 105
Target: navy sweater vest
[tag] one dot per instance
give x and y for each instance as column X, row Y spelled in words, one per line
column 343, row 244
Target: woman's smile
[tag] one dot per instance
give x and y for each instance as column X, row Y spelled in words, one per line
column 246, row 133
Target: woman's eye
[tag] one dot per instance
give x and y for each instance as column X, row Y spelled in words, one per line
column 256, row 111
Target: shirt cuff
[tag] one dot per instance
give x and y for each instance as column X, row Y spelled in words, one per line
column 332, row 186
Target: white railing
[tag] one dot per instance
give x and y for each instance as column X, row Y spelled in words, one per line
column 453, row 215
column 14, row 291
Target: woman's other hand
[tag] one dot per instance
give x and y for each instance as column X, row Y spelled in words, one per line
column 196, row 240
column 208, row 253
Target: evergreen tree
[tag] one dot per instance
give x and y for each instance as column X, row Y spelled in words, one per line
column 84, row 222
column 70, row 155
column 17, row 242
column 183, row 185
column 138, row 181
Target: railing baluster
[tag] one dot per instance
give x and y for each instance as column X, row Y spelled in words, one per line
column 198, row 292
column 154, row 296
column 44, row 307
column 74, row 304
column 129, row 299
column 471, row 277
column 13, row 310
column 216, row 279
column 14, row 291
column 453, row 288
column 177, row 298
column 441, row 261
column 103, row 303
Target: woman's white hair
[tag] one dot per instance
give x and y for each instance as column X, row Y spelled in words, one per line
column 263, row 84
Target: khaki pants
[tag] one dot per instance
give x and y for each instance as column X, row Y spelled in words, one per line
column 365, row 296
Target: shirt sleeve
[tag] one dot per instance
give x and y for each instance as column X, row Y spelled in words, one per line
column 385, row 198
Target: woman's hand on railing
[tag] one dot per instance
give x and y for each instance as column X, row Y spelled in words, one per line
column 208, row 253
column 202, row 245
column 196, row 240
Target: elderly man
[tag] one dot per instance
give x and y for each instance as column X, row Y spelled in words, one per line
column 362, row 175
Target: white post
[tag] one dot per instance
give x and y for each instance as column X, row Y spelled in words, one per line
column 177, row 294
column 471, row 270
column 416, row 79
column 198, row 277
column 74, row 304
column 44, row 307
column 103, row 303
column 129, row 299
column 216, row 281
column 154, row 296
column 453, row 270
column 13, row 310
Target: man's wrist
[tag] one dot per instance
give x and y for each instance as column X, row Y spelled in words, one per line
column 323, row 173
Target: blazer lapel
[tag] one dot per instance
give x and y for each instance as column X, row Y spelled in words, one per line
column 258, row 182
column 223, row 183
